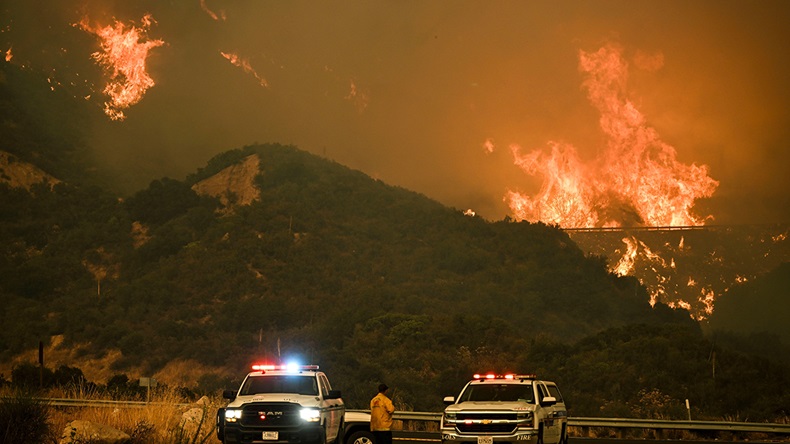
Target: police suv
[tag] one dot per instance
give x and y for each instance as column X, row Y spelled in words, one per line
column 282, row 404
column 499, row 409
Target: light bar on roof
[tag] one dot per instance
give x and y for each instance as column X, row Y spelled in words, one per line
column 505, row 376
column 286, row 367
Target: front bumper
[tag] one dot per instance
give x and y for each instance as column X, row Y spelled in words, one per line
column 306, row 434
column 450, row 436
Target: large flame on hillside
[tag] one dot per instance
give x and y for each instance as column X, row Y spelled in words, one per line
column 123, row 54
column 637, row 181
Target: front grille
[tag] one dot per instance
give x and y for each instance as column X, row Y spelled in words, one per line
column 479, row 415
column 478, row 428
column 486, row 422
column 275, row 415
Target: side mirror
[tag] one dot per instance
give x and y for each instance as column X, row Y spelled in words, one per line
column 449, row 400
column 548, row 400
column 333, row 394
column 229, row 394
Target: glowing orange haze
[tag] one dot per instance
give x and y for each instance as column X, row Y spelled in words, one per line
column 124, row 51
column 637, row 181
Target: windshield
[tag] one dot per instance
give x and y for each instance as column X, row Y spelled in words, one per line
column 498, row 392
column 303, row 385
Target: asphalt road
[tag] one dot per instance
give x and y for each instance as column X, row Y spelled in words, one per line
column 433, row 438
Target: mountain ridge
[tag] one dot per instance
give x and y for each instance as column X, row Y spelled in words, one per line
column 327, row 265
column 364, row 227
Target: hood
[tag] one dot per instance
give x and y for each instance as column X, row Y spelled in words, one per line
column 490, row 406
column 303, row 400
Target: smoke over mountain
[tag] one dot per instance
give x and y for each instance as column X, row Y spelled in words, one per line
column 428, row 96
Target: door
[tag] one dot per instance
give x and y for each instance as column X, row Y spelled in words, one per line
column 552, row 425
column 333, row 408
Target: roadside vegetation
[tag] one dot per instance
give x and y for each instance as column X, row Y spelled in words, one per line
column 171, row 416
column 174, row 416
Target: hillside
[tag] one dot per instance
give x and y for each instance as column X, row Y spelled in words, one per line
column 758, row 308
column 271, row 253
column 18, row 174
column 319, row 255
column 44, row 126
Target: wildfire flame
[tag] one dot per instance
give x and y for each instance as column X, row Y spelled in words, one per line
column 123, row 54
column 212, row 14
column 637, row 181
column 488, row 146
column 358, row 97
column 245, row 65
column 626, row 263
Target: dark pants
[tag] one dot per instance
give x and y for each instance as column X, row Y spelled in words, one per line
column 383, row 437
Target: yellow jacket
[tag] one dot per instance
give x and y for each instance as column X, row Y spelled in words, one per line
column 381, row 410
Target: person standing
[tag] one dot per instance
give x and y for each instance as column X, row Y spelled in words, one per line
column 381, row 410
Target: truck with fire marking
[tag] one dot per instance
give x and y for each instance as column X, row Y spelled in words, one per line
column 282, row 404
column 505, row 409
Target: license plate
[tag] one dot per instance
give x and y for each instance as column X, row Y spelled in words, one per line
column 485, row 440
column 269, row 436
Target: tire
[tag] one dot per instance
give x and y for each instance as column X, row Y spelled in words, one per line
column 340, row 430
column 361, row 437
column 564, row 435
column 221, row 424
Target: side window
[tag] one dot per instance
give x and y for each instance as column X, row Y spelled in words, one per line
column 324, row 385
column 555, row 392
column 542, row 392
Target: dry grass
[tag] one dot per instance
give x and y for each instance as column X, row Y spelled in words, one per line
column 161, row 421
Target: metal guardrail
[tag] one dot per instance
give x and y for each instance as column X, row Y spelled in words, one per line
column 658, row 424
column 68, row 402
column 616, row 423
column 627, row 423
column 414, row 416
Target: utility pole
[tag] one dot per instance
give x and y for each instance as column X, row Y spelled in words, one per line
column 41, row 364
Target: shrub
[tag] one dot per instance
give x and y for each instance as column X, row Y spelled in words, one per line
column 24, row 418
column 29, row 376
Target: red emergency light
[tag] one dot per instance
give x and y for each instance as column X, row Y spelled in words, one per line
column 505, row 376
column 284, row 367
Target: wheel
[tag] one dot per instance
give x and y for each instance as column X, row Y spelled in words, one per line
column 221, row 424
column 564, row 435
column 340, row 430
column 361, row 437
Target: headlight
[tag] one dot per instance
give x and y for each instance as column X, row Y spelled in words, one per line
column 448, row 420
column 310, row 415
column 232, row 415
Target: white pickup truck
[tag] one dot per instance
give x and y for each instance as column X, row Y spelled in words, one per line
column 357, row 429
column 283, row 405
column 505, row 409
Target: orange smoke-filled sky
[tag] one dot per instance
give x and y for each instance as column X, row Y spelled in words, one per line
column 431, row 95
